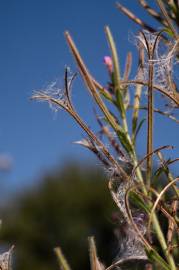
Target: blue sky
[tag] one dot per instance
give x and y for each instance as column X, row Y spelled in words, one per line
column 34, row 53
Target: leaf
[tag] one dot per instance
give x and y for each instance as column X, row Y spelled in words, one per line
column 139, row 127
column 154, row 256
column 162, row 169
column 136, row 199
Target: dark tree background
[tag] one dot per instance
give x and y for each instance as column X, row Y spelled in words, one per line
column 64, row 209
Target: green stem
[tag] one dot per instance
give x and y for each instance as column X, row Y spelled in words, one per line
column 92, row 88
column 163, row 243
column 156, row 224
column 61, row 259
column 118, row 89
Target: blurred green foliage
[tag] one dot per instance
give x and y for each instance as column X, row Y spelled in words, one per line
column 62, row 210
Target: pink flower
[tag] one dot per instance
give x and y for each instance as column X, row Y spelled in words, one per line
column 109, row 64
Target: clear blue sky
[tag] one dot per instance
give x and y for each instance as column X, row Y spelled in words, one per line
column 33, row 53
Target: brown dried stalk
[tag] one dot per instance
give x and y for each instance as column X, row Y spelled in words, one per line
column 167, row 18
column 158, row 199
column 150, row 52
column 105, row 130
column 68, row 107
column 169, row 115
column 167, row 172
column 134, row 18
column 94, row 261
column 152, row 12
column 91, row 86
column 174, row 96
column 171, row 224
column 87, row 143
column 44, row 97
column 128, row 66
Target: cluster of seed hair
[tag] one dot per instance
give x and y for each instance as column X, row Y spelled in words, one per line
column 129, row 241
column 163, row 60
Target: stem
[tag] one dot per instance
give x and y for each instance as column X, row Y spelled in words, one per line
column 118, row 89
column 92, row 88
column 163, row 243
column 61, row 259
column 150, row 125
column 168, row 174
column 174, row 97
column 167, row 18
column 156, row 224
column 136, row 111
column 160, row 236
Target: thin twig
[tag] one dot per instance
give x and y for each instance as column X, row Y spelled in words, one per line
column 90, row 84
column 128, row 65
column 63, row 264
column 167, row 18
column 169, row 115
column 87, row 143
column 73, row 113
column 158, row 199
column 134, row 18
column 167, row 172
column 149, row 248
column 152, row 12
column 174, row 98
column 105, row 130
column 171, row 224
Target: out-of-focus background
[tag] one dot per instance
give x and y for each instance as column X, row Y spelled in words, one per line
column 53, row 192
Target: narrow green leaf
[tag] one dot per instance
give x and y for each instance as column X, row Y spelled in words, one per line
column 154, row 256
column 138, row 201
column 124, row 140
column 122, row 136
column 162, row 169
column 138, row 128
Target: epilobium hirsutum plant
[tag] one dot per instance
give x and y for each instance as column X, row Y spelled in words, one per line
column 144, row 206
